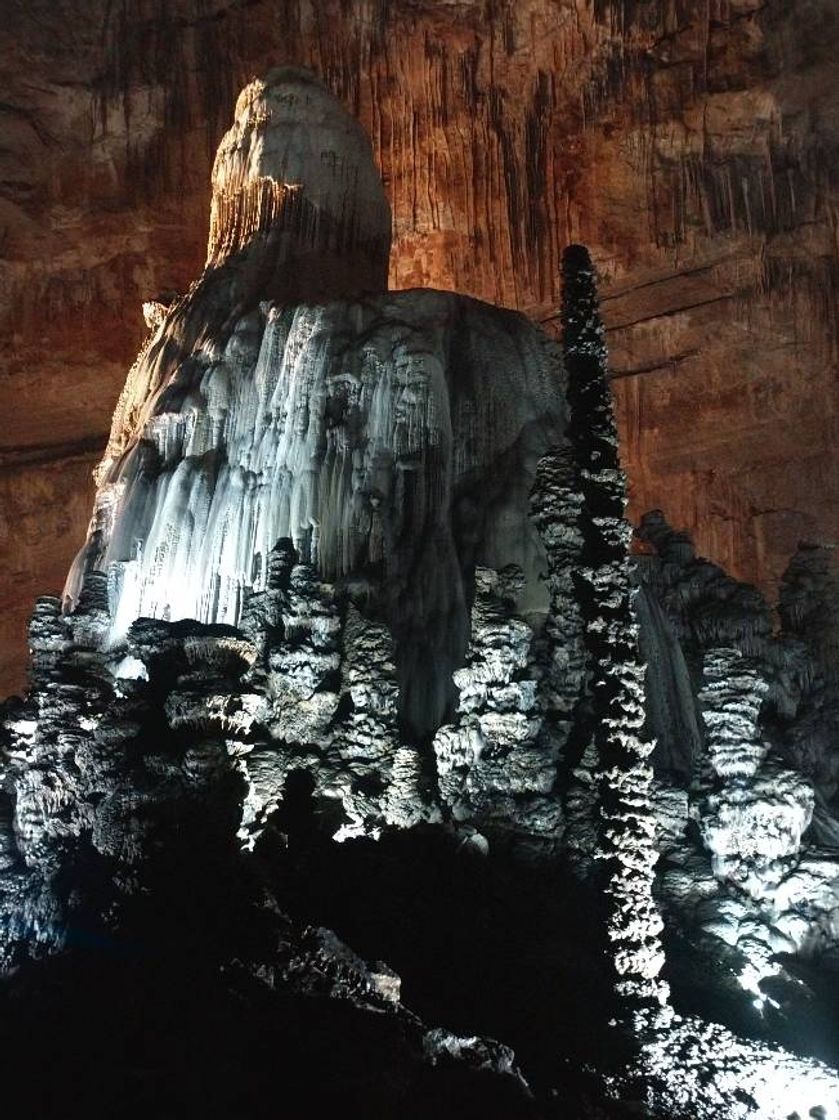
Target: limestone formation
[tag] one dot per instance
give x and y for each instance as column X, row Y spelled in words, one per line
column 604, row 590
column 391, row 437
column 692, row 147
column 351, row 658
column 297, row 195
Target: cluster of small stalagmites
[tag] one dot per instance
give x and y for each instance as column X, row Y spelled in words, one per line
column 699, row 609
column 497, row 761
column 124, row 772
column 88, row 794
column 319, row 693
column 757, row 885
column 758, row 896
column 693, row 1068
column 751, row 814
column 108, row 738
column 625, row 819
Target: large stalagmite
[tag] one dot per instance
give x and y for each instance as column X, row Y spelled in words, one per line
column 392, row 437
column 690, row 145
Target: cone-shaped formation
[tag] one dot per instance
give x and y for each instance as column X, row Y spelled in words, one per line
column 297, row 194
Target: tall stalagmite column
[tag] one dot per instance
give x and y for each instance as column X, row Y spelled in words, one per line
column 605, row 593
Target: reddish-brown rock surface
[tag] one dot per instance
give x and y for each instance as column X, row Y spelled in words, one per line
column 692, row 144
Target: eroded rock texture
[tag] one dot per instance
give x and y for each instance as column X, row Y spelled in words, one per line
column 692, row 146
column 180, row 791
column 762, row 895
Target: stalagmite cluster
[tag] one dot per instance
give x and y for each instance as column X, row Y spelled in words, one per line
column 357, row 614
column 389, row 439
column 769, row 885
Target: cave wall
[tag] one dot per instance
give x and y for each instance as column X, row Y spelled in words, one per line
column 692, row 145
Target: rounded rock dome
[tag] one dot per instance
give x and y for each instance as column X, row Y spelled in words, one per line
column 296, row 196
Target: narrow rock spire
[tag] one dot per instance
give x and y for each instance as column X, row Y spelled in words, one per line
column 605, row 591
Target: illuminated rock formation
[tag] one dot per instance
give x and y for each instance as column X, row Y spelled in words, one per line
column 126, row 792
column 351, row 657
column 296, row 193
column 692, row 147
column 603, row 587
column 391, row 438
column 497, row 763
